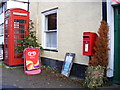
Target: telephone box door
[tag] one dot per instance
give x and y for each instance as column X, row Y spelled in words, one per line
column 16, row 29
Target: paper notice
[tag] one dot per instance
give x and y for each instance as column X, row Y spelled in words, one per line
column 86, row 47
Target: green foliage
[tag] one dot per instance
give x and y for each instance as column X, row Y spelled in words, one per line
column 48, row 68
column 29, row 41
column 94, row 76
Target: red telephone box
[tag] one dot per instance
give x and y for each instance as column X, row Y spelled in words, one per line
column 88, row 43
column 15, row 29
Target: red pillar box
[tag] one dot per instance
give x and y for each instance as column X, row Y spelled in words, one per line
column 32, row 61
column 88, row 43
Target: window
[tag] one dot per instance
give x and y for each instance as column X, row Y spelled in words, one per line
column 50, row 29
column 1, row 30
column 4, row 6
column 1, row 9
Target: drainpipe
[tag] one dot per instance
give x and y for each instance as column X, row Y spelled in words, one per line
column 3, row 51
column 104, row 10
column 28, row 5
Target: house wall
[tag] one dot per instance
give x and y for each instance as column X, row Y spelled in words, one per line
column 15, row 4
column 74, row 18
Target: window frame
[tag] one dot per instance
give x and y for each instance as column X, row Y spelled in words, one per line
column 45, row 30
column 1, row 9
column 2, row 25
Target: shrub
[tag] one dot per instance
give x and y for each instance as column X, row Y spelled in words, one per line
column 29, row 41
column 94, row 76
column 101, row 47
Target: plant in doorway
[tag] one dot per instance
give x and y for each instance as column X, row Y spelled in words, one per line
column 96, row 70
column 29, row 41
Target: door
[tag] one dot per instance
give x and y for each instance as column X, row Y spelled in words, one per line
column 19, row 34
column 117, row 44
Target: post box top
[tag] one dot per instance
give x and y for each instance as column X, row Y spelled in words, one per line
column 87, row 33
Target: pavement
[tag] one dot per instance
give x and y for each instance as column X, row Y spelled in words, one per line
column 15, row 78
column 48, row 79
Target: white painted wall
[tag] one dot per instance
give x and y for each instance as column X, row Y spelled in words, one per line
column 15, row 4
column 74, row 18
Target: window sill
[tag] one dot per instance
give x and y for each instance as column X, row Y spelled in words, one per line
column 51, row 50
column 47, row 31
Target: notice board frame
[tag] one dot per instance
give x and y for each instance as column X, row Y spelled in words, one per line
column 67, row 64
column 28, row 53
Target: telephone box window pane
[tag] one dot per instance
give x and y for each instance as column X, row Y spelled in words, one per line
column 17, row 41
column 19, row 31
column 19, row 36
column 18, row 56
column 22, row 26
column 16, row 31
column 20, row 21
column 16, row 24
column 16, row 36
column 22, row 36
column 52, row 21
column 22, row 31
column 16, row 51
column 1, row 30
